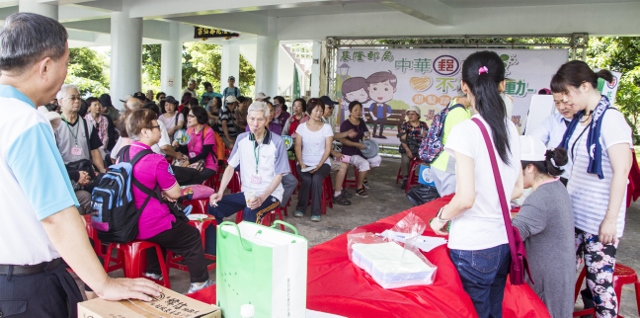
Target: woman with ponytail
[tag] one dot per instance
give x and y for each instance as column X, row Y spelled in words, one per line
column 598, row 142
column 543, row 222
column 478, row 243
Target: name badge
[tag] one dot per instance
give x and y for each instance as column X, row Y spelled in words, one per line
column 76, row 151
column 192, row 154
column 256, row 179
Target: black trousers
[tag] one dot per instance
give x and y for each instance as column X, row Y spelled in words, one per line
column 50, row 294
column 188, row 176
column 182, row 239
column 312, row 183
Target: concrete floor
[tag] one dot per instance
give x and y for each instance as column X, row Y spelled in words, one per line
column 386, row 198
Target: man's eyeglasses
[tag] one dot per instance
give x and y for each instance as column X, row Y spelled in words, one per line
column 74, row 98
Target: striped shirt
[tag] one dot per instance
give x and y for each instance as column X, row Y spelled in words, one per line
column 35, row 183
column 589, row 194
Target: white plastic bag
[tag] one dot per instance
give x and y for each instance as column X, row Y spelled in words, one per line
column 393, row 262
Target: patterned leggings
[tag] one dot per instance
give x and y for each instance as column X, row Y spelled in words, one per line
column 600, row 261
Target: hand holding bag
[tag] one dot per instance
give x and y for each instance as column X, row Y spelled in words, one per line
column 519, row 261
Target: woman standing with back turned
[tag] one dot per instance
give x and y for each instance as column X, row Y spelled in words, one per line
column 597, row 142
column 478, row 243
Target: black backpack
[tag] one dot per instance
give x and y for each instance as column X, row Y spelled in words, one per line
column 114, row 214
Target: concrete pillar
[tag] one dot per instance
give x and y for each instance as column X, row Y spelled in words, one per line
column 316, row 51
column 230, row 64
column 126, row 56
column 171, row 63
column 35, row 6
column 267, row 60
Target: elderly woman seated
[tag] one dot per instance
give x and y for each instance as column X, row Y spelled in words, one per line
column 157, row 223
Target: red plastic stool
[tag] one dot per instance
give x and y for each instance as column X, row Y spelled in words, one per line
column 413, row 177
column 176, row 261
column 267, row 220
column 350, row 183
column 622, row 275
column 327, row 194
column 235, row 185
column 134, row 259
column 118, row 260
column 213, row 182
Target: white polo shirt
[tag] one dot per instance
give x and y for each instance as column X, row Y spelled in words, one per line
column 264, row 161
column 35, row 183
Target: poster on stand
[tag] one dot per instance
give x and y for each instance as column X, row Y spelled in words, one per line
column 388, row 81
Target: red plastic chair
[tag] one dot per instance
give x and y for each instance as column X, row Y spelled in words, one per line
column 327, row 194
column 413, row 176
column 267, row 220
column 118, row 260
column 622, row 275
column 135, row 259
column 235, row 185
column 350, row 183
column 176, row 261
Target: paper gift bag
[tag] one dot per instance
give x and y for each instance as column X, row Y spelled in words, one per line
column 261, row 266
column 424, row 176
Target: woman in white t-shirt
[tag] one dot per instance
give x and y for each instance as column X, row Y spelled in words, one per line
column 312, row 146
column 478, row 242
column 171, row 118
column 597, row 142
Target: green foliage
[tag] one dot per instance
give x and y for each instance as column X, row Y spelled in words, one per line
column 200, row 61
column 621, row 54
column 86, row 70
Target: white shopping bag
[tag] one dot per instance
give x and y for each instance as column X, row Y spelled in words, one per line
column 262, row 266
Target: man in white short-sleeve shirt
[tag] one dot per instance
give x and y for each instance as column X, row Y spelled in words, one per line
column 39, row 221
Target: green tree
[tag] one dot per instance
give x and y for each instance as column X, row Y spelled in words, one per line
column 621, row 54
column 200, row 61
column 86, row 70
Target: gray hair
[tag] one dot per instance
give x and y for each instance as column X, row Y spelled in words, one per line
column 28, row 37
column 63, row 90
column 193, row 81
column 259, row 106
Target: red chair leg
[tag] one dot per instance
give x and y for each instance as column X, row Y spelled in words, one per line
column 637, row 287
column 579, row 282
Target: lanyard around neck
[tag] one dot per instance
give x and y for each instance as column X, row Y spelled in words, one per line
column 256, row 154
column 75, row 136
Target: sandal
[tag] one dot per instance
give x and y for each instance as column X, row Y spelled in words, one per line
column 347, row 194
column 362, row 192
column 341, row 199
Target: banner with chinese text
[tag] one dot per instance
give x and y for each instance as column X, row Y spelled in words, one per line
column 387, row 82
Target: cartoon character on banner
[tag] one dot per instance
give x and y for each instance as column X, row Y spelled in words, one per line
column 354, row 89
column 381, row 86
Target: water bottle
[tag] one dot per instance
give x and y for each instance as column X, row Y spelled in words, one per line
column 247, row 311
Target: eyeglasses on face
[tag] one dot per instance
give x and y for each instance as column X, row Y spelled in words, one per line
column 73, row 98
column 154, row 127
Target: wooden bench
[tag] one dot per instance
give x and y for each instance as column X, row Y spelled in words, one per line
column 395, row 119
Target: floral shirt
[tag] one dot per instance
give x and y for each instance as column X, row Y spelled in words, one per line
column 415, row 133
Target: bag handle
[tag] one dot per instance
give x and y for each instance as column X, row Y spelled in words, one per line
column 498, row 180
column 224, row 234
column 278, row 222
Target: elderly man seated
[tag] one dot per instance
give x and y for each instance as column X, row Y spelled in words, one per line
column 262, row 158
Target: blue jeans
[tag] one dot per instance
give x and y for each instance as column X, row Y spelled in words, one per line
column 229, row 205
column 484, row 276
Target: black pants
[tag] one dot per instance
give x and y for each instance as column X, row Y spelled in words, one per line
column 182, row 239
column 188, row 176
column 312, row 183
column 52, row 293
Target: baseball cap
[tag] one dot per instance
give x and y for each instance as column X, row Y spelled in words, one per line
column 171, row 100
column 262, row 96
column 105, row 100
column 532, row 149
column 231, row 78
column 140, row 96
column 231, row 99
column 414, row 108
column 327, row 101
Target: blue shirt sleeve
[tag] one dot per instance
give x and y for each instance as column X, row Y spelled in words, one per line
column 36, row 164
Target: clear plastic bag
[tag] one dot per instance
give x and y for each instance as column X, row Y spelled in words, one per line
column 394, row 261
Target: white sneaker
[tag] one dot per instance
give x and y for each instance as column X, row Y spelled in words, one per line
column 194, row 287
column 153, row 276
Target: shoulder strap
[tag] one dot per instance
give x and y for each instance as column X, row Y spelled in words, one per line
column 124, row 153
column 86, row 133
column 498, row 179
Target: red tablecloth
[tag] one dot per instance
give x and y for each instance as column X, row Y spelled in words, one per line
column 337, row 286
